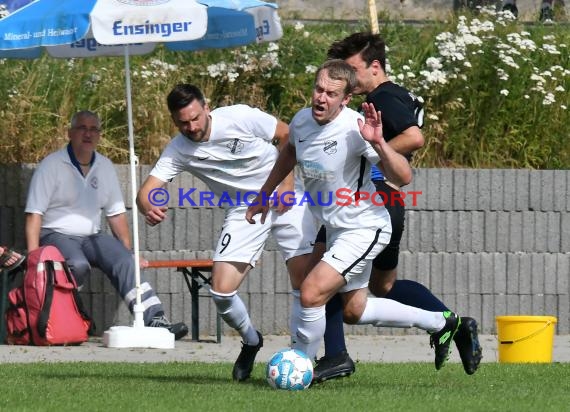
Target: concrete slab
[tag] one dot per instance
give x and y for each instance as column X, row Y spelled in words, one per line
column 412, row 348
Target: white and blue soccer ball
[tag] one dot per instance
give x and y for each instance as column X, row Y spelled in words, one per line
column 289, row 369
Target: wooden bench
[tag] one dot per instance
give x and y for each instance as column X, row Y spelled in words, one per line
column 197, row 274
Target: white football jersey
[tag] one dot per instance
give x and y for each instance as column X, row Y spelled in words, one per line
column 237, row 157
column 334, row 162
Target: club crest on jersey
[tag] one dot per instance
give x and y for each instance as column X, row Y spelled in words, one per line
column 235, row 146
column 94, row 182
column 330, row 147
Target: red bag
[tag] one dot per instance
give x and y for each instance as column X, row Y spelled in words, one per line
column 46, row 309
column 17, row 332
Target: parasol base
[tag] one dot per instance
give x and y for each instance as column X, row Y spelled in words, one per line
column 138, row 337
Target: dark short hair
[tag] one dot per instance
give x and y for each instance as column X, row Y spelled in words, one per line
column 182, row 95
column 338, row 69
column 369, row 45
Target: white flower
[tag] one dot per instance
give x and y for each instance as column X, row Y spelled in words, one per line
column 272, row 46
column 550, row 48
column 537, row 78
column 310, row 68
column 435, row 76
column 299, row 26
column 504, row 92
column 13, row 92
column 548, row 99
column 434, row 63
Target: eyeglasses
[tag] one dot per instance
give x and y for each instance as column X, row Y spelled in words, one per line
column 84, row 129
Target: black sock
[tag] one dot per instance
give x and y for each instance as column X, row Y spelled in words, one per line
column 415, row 294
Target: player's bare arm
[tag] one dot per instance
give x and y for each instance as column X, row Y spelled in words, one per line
column 283, row 166
column 408, row 141
column 153, row 214
column 281, row 140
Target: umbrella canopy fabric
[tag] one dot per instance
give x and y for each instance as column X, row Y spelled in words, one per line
column 101, row 27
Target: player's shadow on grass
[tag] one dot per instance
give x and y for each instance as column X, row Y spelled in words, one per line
column 189, row 377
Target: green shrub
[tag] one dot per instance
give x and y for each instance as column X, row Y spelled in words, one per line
column 495, row 91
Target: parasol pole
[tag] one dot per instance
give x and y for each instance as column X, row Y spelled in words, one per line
column 138, row 308
column 373, row 16
column 139, row 335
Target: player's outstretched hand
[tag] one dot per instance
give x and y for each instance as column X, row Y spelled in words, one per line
column 155, row 215
column 256, row 207
column 371, row 127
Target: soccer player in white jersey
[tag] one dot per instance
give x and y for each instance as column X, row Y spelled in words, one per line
column 334, row 147
column 232, row 150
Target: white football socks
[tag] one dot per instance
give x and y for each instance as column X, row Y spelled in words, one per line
column 233, row 311
column 389, row 313
column 311, row 329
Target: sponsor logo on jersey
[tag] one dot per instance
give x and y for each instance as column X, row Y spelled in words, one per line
column 330, row 147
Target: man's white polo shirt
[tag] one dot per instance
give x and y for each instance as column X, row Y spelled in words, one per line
column 69, row 202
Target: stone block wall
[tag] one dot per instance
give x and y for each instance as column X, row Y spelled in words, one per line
column 486, row 242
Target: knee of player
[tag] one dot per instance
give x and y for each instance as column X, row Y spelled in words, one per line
column 223, row 301
column 311, row 298
column 351, row 316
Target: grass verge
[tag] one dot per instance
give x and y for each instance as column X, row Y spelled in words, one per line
column 208, row 387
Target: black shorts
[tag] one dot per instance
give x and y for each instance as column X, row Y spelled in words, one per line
column 388, row 258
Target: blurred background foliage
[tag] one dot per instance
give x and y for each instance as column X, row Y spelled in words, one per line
column 492, row 99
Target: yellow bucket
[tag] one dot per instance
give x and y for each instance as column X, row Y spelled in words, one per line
column 525, row 339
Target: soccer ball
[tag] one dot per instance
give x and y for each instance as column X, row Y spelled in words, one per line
column 289, row 369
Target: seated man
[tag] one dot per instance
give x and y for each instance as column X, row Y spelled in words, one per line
column 68, row 190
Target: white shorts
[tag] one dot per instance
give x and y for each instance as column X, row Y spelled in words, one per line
column 294, row 232
column 351, row 252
